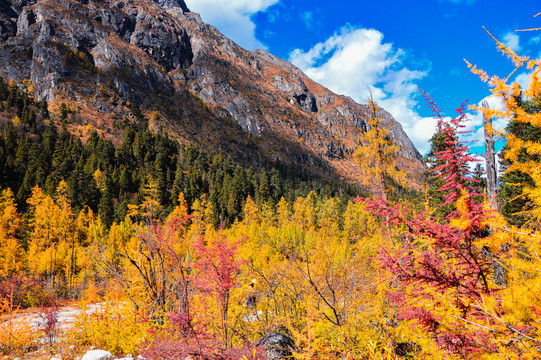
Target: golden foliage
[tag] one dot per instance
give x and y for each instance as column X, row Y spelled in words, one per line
column 376, row 154
column 16, row 335
column 114, row 326
column 11, row 254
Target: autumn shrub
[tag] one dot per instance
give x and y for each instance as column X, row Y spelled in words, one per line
column 182, row 338
column 117, row 328
column 26, row 291
column 16, row 334
column 315, row 279
column 49, row 321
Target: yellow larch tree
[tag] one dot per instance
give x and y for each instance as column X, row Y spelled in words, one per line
column 66, row 249
column 150, row 208
column 44, row 232
column 11, row 254
column 180, row 211
column 376, row 154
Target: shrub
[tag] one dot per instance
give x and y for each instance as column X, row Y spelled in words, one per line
column 16, row 337
column 26, row 291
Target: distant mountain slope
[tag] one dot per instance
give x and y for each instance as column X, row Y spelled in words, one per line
column 104, row 57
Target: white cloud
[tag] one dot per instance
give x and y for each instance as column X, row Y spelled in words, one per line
column 233, row 18
column 354, row 60
column 512, row 41
column 524, row 80
column 475, row 125
column 311, row 19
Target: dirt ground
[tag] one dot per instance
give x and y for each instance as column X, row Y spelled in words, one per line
column 66, row 316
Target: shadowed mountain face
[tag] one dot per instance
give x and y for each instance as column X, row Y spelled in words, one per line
column 103, row 57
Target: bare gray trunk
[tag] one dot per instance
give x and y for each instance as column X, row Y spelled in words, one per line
column 492, row 176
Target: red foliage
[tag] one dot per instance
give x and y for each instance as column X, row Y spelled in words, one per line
column 453, row 171
column 428, row 266
column 452, row 263
column 218, row 272
column 218, row 266
column 49, row 316
column 25, row 291
column 188, row 339
column 196, row 348
column 214, row 271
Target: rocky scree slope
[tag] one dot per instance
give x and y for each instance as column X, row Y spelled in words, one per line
column 104, row 56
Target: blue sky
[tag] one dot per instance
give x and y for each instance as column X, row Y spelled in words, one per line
column 394, row 47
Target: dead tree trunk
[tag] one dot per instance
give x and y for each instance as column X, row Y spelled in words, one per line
column 492, row 176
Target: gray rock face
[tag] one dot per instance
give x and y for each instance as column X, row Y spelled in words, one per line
column 8, row 27
column 162, row 40
column 277, row 346
column 9, row 11
column 297, row 92
column 173, row 4
column 52, row 37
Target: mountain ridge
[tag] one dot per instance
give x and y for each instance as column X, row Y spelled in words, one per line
column 102, row 57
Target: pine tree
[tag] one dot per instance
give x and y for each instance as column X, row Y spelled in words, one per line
column 105, row 207
column 515, row 206
column 436, row 197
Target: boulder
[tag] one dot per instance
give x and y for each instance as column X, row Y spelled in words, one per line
column 276, row 345
column 97, row 355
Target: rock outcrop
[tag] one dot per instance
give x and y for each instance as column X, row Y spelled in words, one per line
column 277, row 346
column 105, row 57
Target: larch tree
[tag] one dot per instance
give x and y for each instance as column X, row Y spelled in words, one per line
column 11, row 254
column 376, row 154
column 514, row 205
column 44, row 232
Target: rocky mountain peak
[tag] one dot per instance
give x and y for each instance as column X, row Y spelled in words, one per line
column 107, row 57
column 173, row 4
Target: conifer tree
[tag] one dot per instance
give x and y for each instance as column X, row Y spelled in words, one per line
column 436, row 197
column 11, row 253
column 376, row 155
column 105, row 206
column 515, row 206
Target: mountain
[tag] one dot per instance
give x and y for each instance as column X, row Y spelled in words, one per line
column 109, row 59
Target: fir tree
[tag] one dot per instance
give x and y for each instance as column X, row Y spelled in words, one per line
column 515, row 206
